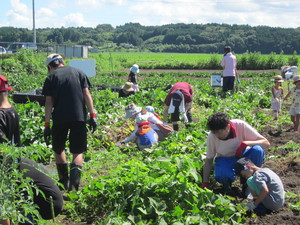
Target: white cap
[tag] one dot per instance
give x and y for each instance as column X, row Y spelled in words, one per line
column 52, row 57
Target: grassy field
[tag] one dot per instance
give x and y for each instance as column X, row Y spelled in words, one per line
column 121, row 60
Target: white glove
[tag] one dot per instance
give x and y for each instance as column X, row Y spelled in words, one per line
column 184, row 118
column 250, row 206
column 277, row 100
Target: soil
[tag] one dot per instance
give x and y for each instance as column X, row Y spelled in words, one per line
column 287, row 167
column 280, row 161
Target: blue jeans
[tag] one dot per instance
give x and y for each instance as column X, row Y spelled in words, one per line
column 224, row 166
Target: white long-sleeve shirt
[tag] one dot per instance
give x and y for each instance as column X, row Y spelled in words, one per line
column 152, row 118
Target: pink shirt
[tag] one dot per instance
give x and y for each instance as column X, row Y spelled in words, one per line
column 229, row 64
column 187, row 91
column 227, row 148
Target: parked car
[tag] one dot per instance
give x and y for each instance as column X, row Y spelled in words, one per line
column 15, row 47
column 2, row 50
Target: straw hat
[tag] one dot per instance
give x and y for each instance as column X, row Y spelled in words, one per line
column 278, row 78
column 296, row 78
column 128, row 87
column 131, row 110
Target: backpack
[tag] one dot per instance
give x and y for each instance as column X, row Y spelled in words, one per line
column 177, row 97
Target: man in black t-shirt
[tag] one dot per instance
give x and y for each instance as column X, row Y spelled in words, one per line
column 67, row 95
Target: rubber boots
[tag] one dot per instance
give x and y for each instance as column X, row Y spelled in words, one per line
column 75, row 175
column 63, row 175
column 175, row 127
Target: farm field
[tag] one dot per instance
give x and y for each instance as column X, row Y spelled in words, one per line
column 121, row 185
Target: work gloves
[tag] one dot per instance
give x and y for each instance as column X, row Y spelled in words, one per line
column 184, row 118
column 204, row 185
column 92, row 122
column 47, row 133
column 250, row 206
column 240, row 150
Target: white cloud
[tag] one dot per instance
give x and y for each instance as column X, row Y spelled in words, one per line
column 89, row 4
column 75, row 20
column 20, row 14
column 252, row 12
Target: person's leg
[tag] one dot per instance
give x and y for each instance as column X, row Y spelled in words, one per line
column 231, row 84
column 225, row 84
column 59, row 138
column 175, row 118
column 256, row 154
column 261, row 210
column 51, row 199
column 78, row 145
column 189, row 116
column 296, row 123
column 224, row 170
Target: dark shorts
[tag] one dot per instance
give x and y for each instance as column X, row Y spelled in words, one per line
column 77, row 136
column 228, row 83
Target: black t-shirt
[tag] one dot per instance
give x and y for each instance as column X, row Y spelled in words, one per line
column 66, row 85
column 9, row 126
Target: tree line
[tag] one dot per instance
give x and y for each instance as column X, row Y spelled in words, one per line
column 189, row 38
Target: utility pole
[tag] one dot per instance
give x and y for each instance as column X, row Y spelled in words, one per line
column 33, row 18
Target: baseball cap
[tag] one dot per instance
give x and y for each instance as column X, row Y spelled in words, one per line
column 52, row 57
column 4, row 84
column 241, row 164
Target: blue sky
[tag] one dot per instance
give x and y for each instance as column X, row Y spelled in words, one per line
column 90, row 13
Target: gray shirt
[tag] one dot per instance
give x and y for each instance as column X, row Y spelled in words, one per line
column 266, row 177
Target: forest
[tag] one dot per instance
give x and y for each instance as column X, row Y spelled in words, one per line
column 182, row 38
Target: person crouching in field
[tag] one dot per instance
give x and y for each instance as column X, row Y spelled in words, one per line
column 277, row 94
column 295, row 106
column 265, row 186
column 227, row 141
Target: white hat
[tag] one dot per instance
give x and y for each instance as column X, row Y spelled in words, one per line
column 278, row 78
column 52, row 57
column 150, row 108
column 135, row 68
column 131, row 110
column 296, row 78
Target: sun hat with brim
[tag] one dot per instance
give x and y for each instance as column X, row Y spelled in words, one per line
column 278, row 78
column 4, row 84
column 296, row 78
column 128, row 87
column 135, row 68
column 131, row 110
column 52, row 57
column 241, row 164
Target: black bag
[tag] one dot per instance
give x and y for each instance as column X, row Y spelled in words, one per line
column 177, row 97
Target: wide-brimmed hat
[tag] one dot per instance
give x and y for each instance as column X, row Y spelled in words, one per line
column 52, row 57
column 135, row 68
column 296, row 78
column 131, row 110
column 128, row 86
column 4, row 84
column 278, row 78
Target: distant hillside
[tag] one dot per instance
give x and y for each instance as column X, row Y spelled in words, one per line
column 191, row 38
